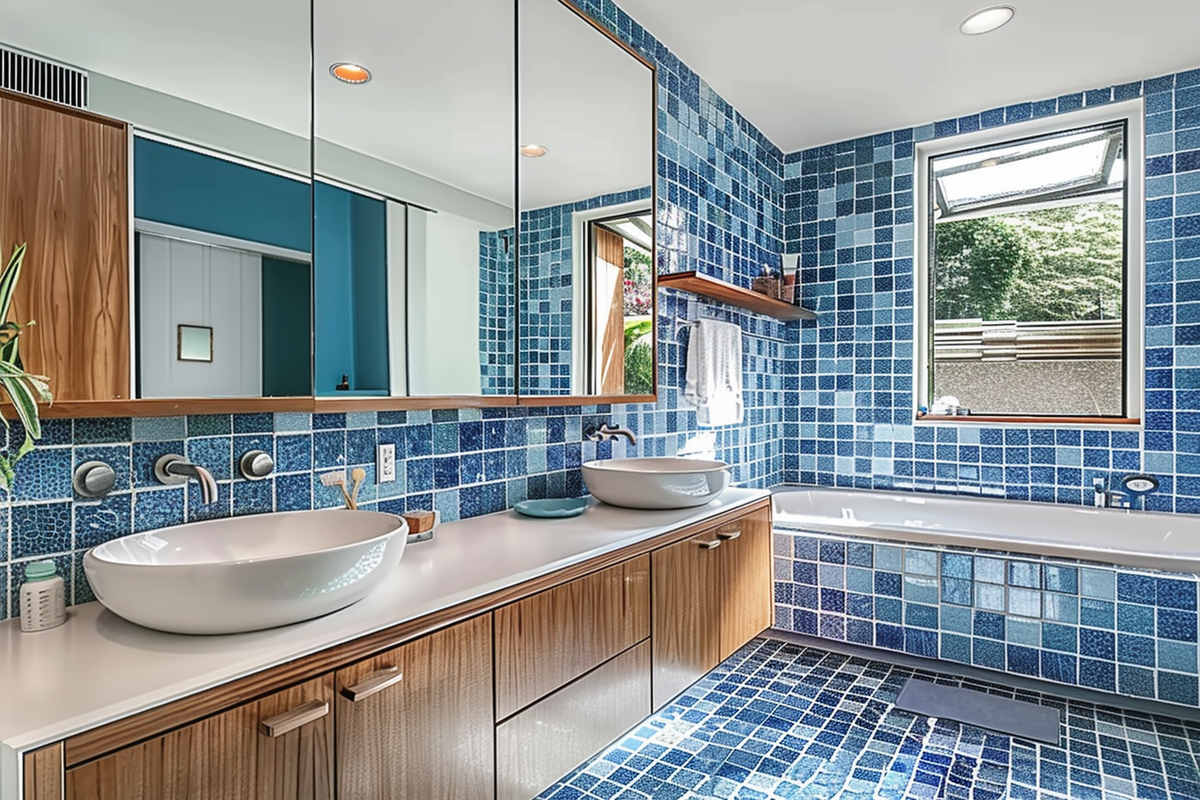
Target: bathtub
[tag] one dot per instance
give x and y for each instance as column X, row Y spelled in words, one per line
column 1144, row 539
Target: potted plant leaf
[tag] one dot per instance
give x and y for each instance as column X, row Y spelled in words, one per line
column 24, row 389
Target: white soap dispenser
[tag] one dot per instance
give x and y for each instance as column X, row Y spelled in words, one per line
column 43, row 598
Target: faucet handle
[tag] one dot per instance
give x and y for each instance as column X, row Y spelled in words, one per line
column 169, row 478
column 256, row 465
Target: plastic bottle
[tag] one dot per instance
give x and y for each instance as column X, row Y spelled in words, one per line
column 43, row 598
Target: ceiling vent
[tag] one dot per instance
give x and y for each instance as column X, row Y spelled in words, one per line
column 39, row 77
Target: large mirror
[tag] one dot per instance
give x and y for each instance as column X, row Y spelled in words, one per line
column 414, row 194
column 586, row 188
column 195, row 149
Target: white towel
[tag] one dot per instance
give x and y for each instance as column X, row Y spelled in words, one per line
column 714, row 373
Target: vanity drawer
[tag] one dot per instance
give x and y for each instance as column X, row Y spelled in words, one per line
column 550, row 738
column 547, row 640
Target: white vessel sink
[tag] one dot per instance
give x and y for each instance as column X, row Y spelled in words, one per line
column 246, row 573
column 656, row 482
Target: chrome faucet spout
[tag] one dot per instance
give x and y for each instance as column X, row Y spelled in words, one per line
column 174, row 469
column 608, row 431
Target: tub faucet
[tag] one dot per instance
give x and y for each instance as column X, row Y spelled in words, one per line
column 1108, row 498
column 609, row 431
column 175, row 469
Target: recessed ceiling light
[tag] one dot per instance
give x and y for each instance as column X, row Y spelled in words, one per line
column 350, row 73
column 987, row 20
column 533, row 150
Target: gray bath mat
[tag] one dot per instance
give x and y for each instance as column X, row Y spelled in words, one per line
column 1000, row 714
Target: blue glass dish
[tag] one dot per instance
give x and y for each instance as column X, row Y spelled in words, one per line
column 568, row 507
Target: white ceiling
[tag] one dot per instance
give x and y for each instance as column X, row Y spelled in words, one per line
column 441, row 100
column 246, row 58
column 810, row 72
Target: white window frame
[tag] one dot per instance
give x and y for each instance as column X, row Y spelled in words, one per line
column 1132, row 113
column 581, row 275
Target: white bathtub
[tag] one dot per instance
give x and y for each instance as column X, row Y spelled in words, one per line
column 1152, row 540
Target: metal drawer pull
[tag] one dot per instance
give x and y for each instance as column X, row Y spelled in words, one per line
column 715, row 543
column 727, row 535
column 289, row 721
column 373, row 684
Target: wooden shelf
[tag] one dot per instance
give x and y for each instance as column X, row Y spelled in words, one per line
column 714, row 289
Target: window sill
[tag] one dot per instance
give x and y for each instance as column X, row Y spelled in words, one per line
column 1123, row 422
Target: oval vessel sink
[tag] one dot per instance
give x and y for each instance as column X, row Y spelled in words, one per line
column 246, row 573
column 656, row 483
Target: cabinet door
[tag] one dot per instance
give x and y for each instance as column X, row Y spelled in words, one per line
column 64, row 181
column 550, row 639
column 416, row 721
column 277, row 748
column 686, row 633
column 746, row 595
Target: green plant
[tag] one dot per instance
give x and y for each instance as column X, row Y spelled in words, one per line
column 23, row 388
column 639, row 356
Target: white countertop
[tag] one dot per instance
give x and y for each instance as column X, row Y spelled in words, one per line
column 98, row 668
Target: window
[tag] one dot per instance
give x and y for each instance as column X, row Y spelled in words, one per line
column 622, row 303
column 1030, row 269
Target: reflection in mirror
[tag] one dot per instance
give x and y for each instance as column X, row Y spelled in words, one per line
column 415, row 263
column 216, row 99
column 586, row 180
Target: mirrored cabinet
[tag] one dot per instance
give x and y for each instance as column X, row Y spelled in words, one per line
column 415, row 191
column 586, row 188
column 156, row 163
column 277, row 208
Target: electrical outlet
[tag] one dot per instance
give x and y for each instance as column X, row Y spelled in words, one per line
column 385, row 463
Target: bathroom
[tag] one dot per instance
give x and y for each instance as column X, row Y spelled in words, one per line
column 299, row 208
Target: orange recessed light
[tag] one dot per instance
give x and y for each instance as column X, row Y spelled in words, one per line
column 533, row 150
column 350, row 73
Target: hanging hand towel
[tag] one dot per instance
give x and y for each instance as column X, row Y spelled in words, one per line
column 714, row 373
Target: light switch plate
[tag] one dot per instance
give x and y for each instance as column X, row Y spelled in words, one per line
column 385, row 463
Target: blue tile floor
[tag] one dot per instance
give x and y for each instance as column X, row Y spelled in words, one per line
column 779, row 720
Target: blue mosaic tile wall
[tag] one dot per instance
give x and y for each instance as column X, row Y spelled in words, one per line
column 1120, row 630
column 849, row 211
column 497, row 319
column 547, row 291
column 720, row 211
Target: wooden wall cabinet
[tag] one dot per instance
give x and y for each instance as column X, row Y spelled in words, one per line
column 64, row 191
column 711, row 594
column 416, row 721
column 276, row 748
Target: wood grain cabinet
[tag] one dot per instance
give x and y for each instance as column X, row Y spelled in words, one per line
column 545, row 641
column 711, row 594
column 64, row 191
column 496, row 707
column 415, row 723
column 276, row 748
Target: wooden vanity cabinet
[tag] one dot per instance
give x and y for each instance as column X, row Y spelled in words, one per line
column 496, row 706
column 711, row 593
column 416, row 722
column 277, row 748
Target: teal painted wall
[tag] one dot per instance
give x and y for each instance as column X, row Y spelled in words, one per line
column 286, row 334
column 350, row 248
column 180, row 187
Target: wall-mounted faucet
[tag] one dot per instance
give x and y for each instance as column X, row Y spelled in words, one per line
column 1132, row 487
column 607, row 431
column 1107, row 498
column 173, row 469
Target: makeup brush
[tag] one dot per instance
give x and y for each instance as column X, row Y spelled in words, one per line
column 359, row 475
column 337, row 479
